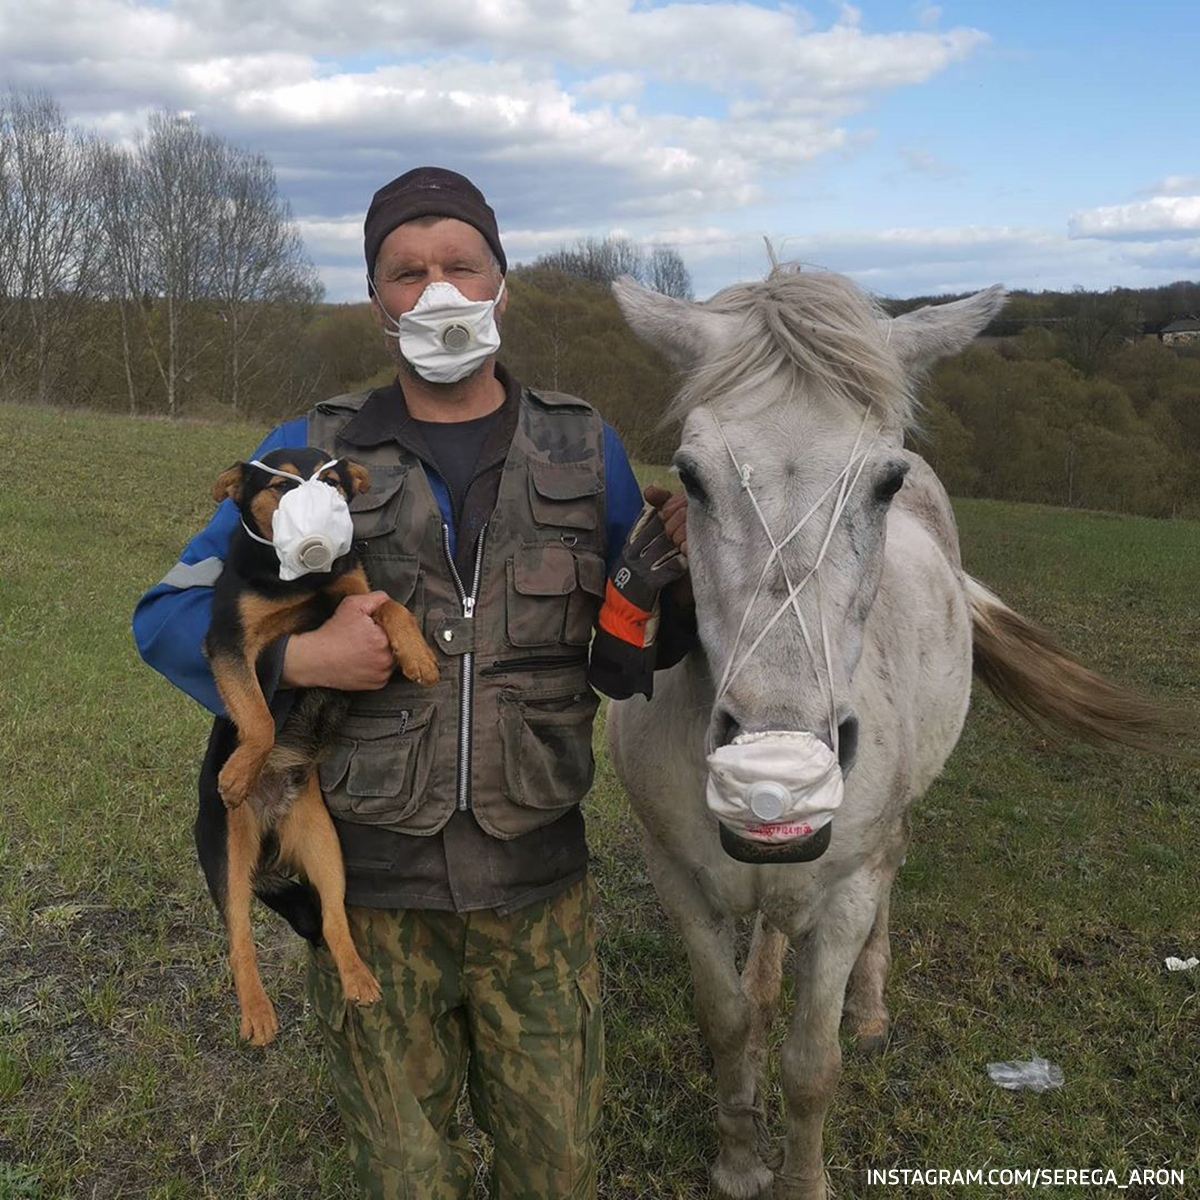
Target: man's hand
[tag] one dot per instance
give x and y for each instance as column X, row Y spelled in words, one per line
column 653, row 558
column 672, row 508
column 349, row 652
column 650, row 559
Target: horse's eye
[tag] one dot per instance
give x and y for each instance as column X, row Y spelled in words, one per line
column 891, row 483
column 692, row 485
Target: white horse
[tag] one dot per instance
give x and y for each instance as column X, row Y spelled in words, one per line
column 830, row 600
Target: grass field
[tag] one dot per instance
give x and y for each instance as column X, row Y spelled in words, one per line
column 1044, row 887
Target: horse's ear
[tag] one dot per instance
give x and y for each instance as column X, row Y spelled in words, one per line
column 926, row 334
column 684, row 331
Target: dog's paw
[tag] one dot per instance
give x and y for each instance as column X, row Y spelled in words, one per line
column 259, row 1025
column 420, row 665
column 237, row 779
column 359, row 985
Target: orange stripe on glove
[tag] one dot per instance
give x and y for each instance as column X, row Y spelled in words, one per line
column 622, row 618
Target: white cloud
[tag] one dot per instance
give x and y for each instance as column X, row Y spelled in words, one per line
column 612, row 87
column 1144, row 220
column 557, row 94
column 682, row 123
column 933, row 261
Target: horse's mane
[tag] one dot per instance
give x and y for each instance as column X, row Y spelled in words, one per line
column 801, row 331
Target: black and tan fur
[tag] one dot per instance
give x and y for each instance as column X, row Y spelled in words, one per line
column 261, row 819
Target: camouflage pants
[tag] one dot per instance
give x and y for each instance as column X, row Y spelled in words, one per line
column 511, row 1005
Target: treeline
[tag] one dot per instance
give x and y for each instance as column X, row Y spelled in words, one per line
column 1018, row 419
column 560, row 332
column 1011, row 418
column 166, row 276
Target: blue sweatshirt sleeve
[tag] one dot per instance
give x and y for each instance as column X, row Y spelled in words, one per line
column 622, row 496
column 171, row 619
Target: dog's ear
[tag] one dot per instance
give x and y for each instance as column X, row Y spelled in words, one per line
column 360, row 477
column 229, row 484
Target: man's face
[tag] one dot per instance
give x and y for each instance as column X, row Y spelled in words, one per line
column 422, row 252
column 419, row 253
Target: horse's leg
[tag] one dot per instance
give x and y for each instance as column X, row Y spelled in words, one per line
column 865, row 1011
column 762, row 980
column 724, row 1016
column 811, row 1061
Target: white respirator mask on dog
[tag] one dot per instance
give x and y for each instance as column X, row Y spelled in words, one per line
column 311, row 527
column 774, row 786
column 444, row 335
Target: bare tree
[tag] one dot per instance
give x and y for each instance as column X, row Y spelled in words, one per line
column 203, row 261
column 666, row 273
column 46, row 225
column 179, row 168
column 124, row 270
column 602, row 261
column 261, row 273
column 9, row 250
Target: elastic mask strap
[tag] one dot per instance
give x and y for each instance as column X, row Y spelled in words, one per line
column 387, row 332
column 396, row 332
column 845, row 485
column 262, row 540
column 746, row 472
column 262, row 466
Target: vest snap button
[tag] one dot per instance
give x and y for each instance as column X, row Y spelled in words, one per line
column 447, row 635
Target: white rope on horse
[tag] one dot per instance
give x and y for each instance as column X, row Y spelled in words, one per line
column 845, row 485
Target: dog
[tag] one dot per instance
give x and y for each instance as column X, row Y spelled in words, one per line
column 261, row 818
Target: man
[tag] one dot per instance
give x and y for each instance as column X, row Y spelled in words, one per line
column 504, row 518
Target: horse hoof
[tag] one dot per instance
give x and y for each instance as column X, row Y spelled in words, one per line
column 873, row 1045
column 748, row 1182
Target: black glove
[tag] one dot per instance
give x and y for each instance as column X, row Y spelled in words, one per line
column 649, row 561
column 622, row 660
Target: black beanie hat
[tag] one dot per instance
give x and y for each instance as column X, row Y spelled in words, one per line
column 428, row 192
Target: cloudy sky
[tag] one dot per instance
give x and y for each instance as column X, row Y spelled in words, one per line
column 920, row 148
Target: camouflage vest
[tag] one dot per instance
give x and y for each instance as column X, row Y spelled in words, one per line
column 507, row 732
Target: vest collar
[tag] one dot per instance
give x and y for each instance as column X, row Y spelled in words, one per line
column 384, row 416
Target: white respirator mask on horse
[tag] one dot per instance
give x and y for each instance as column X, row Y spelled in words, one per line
column 774, row 786
column 444, row 335
column 779, row 787
column 311, row 527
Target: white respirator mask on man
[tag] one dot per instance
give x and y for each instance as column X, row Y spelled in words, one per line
column 311, row 527
column 444, row 335
column 775, row 786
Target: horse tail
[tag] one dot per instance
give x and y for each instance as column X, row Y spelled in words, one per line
column 1049, row 687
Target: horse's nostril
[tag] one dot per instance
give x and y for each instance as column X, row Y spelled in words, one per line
column 847, row 743
column 725, row 728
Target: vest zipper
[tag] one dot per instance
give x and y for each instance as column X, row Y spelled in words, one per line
column 465, row 667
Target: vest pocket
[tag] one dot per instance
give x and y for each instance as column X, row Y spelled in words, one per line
column 564, row 493
column 554, row 595
column 376, row 772
column 377, row 510
column 584, row 602
column 546, row 748
column 540, row 578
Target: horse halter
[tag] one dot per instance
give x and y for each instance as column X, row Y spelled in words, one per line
column 844, row 483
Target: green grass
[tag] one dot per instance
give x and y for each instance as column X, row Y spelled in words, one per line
column 1044, row 887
